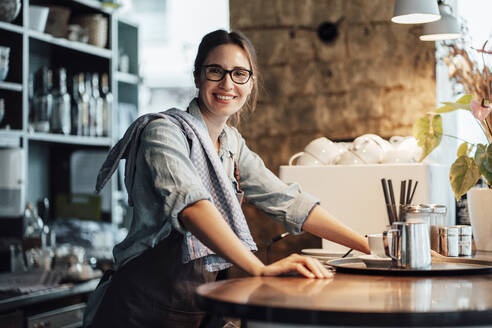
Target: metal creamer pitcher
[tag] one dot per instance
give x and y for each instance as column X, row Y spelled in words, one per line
column 410, row 245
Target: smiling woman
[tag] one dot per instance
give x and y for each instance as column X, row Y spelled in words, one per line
column 187, row 173
column 216, row 52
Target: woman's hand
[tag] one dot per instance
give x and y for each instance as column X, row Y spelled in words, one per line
column 307, row 266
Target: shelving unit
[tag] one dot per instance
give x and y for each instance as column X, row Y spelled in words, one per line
column 48, row 155
column 10, row 86
column 74, row 140
column 127, row 78
column 127, row 82
column 11, row 27
column 81, row 47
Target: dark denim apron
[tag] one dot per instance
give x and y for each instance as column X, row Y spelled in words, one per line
column 156, row 290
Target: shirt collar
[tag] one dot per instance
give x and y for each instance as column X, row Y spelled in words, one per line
column 225, row 147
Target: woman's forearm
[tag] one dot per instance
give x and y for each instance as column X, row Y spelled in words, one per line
column 205, row 222
column 323, row 224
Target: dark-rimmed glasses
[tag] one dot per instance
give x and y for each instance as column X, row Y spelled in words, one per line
column 216, row 73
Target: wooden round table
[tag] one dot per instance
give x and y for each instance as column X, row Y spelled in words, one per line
column 354, row 299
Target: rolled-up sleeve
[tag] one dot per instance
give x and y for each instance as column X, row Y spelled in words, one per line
column 285, row 203
column 166, row 152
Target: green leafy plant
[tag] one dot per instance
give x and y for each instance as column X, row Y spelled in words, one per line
column 473, row 160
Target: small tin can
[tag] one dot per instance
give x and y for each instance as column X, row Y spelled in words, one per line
column 465, row 240
column 449, row 240
column 434, row 238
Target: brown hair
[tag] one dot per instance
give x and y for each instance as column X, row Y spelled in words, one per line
column 220, row 37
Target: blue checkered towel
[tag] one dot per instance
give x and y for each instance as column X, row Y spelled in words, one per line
column 209, row 168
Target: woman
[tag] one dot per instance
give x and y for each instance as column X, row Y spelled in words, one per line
column 183, row 173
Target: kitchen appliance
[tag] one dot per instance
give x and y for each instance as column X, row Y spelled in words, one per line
column 84, row 167
column 12, row 163
column 353, row 194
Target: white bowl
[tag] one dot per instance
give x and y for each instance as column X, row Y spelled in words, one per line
column 38, row 16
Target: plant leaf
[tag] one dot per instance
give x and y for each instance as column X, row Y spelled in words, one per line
column 483, row 159
column 489, row 157
column 444, row 109
column 462, row 149
column 462, row 103
column 457, row 106
column 479, row 153
column 428, row 132
column 463, row 175
column 466, row 99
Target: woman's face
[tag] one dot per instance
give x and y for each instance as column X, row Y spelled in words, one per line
column 224, row 98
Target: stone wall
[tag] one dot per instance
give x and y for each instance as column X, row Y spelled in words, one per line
column 376, row 77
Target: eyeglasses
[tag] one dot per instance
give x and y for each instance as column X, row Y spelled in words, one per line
column 216, row 73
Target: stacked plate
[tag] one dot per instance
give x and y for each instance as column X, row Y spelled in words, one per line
column 323, row 254
column 373, row 261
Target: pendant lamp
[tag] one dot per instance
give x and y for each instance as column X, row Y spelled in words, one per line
column 447, row 28
column 415, row 11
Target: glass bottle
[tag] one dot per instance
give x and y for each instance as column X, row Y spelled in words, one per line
column 43, row 100
column 91, row 104
column 60, row 117
column 107, row 102
column 30, row 97
column 83, row 105
column 76, row 107
column 98, row 103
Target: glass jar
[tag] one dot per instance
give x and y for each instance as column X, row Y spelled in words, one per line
column 416, row 213
column 438, row 214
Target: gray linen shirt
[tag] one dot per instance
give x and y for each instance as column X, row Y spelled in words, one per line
column 166, row 182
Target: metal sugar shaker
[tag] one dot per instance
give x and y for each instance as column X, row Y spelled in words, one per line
column 465, row 240
column 449, row 240
column 416, row 213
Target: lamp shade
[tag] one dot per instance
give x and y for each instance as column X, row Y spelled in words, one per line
column 415, row 11
column 446, row 28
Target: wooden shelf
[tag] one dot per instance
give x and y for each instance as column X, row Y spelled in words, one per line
column 10, row 138
column 127, row 78
column 11, row 27
column 69, row 139
column 11, row 86
column 126, row 21
column 95, row 5
column 81, row 47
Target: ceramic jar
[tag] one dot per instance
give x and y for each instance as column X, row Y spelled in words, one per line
column 9, row 10
column 479, row 200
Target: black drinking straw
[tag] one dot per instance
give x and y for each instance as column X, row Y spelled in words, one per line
column 387, row 201
column 407, row 201
column 347, row 254
column 413, row 192
column 392, row 196
column 403, row 187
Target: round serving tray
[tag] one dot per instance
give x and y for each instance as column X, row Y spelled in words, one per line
column 440, row 267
